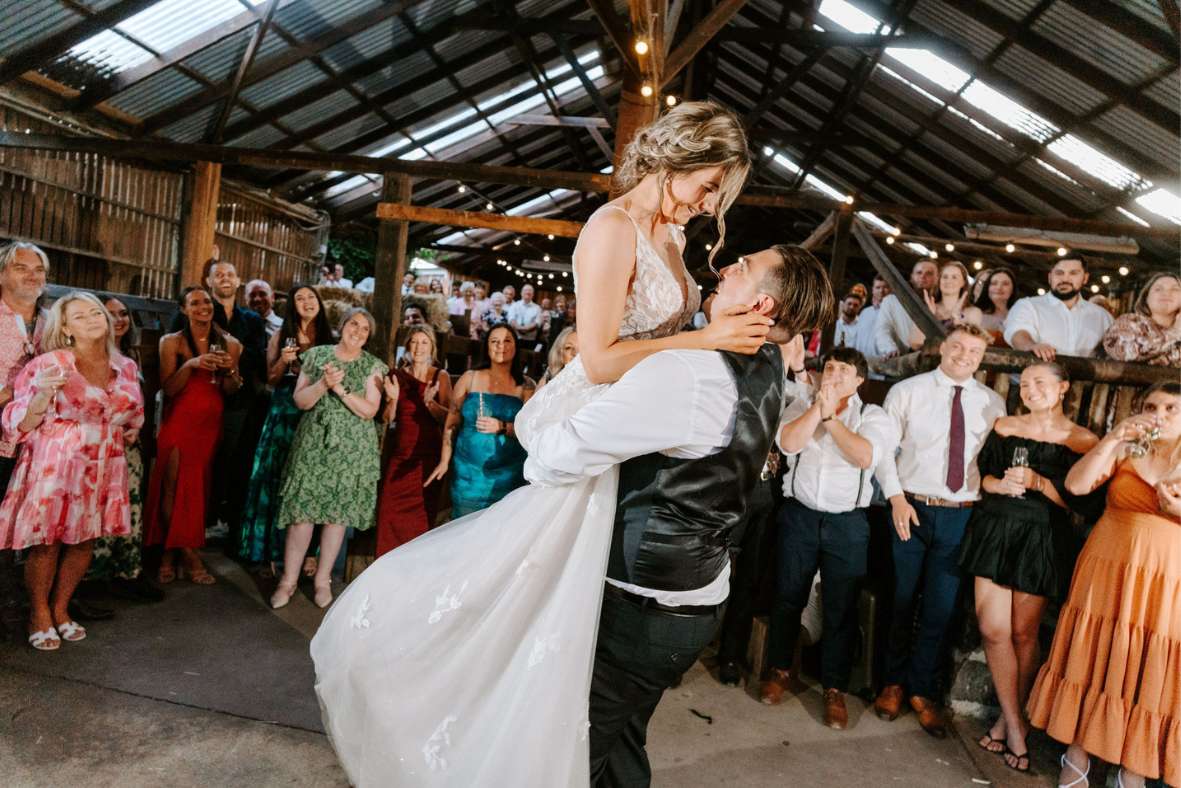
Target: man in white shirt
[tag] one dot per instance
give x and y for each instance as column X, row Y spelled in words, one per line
column 943, row 418
column 525, row 316
column 835, row 440
column 690, row 430
column 867, row 320
column 1061, row 321
column 408, row 282
column 338, row 276
column 261, row 298
column 510, row 295
column 848, row 324
column 894, row 327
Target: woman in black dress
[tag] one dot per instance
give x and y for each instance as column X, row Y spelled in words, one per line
column 1019, row 544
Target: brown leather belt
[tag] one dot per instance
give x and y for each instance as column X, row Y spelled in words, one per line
column 930, row 500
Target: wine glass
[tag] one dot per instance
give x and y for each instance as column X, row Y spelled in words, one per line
column 1143, row 444
column 481, row 412
column 1020, row 459
column 214, row 347
column 292, row 343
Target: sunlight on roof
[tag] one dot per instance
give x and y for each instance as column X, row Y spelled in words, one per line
column 1163, row 202
column 161, row 26
column 1132, row 216
column 931, row 66
column 877, row 222
column 1107, row 169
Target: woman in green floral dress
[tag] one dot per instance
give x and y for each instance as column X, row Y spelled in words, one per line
column 334, row 465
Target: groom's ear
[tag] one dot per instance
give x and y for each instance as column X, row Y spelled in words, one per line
column 764, row 304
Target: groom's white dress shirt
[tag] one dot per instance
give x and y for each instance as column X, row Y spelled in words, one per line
column 677, row 402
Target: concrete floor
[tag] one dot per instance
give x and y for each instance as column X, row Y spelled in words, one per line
column 210, row 687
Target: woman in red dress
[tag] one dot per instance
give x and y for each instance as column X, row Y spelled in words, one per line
column 197, row 365
column 414, row 413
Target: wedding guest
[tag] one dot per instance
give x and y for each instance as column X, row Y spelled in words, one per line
column 408, row 282
column 198, row 368
column 304, row 327
column 1151, row 332
column 261, row 298
column 462, row 310
column 867, row 318
column 480, row 304
column 334, row 464
column 489, row 461
column 836, row 440
column 949, row 302
column 848, row 326
column 413, row 315
column 1111, row 688
column 455, row 296
column 75, row 408
column 495, row 315
column 994, row 301
column 118, row 560
column 415, row 410
column 557, row 320
column 561, row 353
column 510, row 295
column 1019, row 545
column 525, row 316
column 1060, row 321
column 894, row 331
column 420, row 288
column 339, row 279
column 435, row 287
column 943, row 418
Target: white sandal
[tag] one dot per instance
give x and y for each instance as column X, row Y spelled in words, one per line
column 71, row 631
column 1082, row 776
column 45, row 640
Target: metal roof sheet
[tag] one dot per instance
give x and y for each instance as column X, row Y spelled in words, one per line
column 155, row 93
column 311, row 18
column 979, row 39
column 1166, row 91
column 1147, row 138
column 1108, row 49
column 326, row 107
column 193, row 127
column 262, row 137
column 286, row 83
column 375, row 42
column 1072, row 192
column 37, row 21
column 1049, row 80
column 1017, row 9
column 219, row 62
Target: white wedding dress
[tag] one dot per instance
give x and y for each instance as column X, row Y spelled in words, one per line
column 464, row 657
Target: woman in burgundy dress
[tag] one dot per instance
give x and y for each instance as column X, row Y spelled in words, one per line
column 414, row 411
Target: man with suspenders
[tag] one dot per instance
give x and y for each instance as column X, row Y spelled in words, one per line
column 833, row 441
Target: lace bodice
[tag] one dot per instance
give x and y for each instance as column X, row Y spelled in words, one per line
column 656, row 307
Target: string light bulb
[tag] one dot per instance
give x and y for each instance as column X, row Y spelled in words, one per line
column 641, row 46
column 545, row 257
column 489, row 206
column 1010, row 248
column 978, row 264
column 671, row 101
column 646, row 90
column 1123, row 270
column 565, row 274
column 551, row 276
column 516, row 242
column 1094, row 288
column 461, row 189
column 709, row 247
column 1106, row 279
column 848, row 199
column 949, row 247
column 1041, row 291
column 1062, row 251
column 559, row 288
column 889, row 240
column 550, row 236
column 933, row 254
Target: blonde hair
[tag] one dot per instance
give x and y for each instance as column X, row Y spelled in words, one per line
column 963, row 269
column 427, row 332
column 55, row 327
column 554, row 363
column 972, row 330
column 691, row 136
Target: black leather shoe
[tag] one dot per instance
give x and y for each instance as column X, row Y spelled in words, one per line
column 81, row 610
column 137, row 590
column 729, row 673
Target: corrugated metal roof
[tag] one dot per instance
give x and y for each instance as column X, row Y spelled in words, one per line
column 219, row 62
column 262, row 137
column 978, row 38
column 311, row 18
column 347, row 132
column 367, row 45
column 1031, row 204
column 1049, row 80
column 193, row 127
column 1148, row 10
column 1074, row 193
column 1114, row 53
column 397, row 73
column 318, row 110
column 37, row 21
column 1147, row 138
column 162, row 90
column 1167, row 90
column 287, row 82
column 1017, row 9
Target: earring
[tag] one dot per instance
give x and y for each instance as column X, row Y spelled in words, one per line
column 70, row 340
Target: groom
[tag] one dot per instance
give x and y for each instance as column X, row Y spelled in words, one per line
column 690, row 430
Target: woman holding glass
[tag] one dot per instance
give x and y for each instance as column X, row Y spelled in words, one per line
column 74, row 409
column 1111, row 686
column 305, row 325
column 1019, row 544
column 414, row 413
column 489, row 461
column 198, row 366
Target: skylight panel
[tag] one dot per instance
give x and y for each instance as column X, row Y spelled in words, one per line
column 1100, row 165
column 931, row 66
column 892, row 73
column 849, row 16
column 347, row 185
column 877, row 222
column 1162, row 202
column 1009, row 112
column 1132, row 216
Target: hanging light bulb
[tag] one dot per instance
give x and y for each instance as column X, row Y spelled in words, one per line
column 1010, row 248
column 565, row 274
column 559, row 288
column 516, row 242
column 709, row 247
column 933, row 254
column 848, row 199
column 489, row 206
column 949, row 247
column 461, row 188
column 671, row 101
column 1106, row 279
column 1041, row 291
column 545, row 257
column 551, row 276
column 550, row 236
column 641, row 46
column 1123, row 270
column 1094, row 288
column 646, row 90
column 1062, row 251
column 890, row 240
column 978, row 264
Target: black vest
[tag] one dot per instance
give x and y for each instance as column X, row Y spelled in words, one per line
column 674, row 516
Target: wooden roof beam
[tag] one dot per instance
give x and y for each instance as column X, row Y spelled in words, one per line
column 701, row 35
column 616, row 28
column 492, row 221
column 244, row 65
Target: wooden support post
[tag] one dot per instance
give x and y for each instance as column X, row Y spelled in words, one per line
column 199, row 222
column 836, row 270
column 822, row 231
column 389, row 268
column 914, row 306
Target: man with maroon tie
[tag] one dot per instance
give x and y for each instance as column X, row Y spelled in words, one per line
column 943, row 417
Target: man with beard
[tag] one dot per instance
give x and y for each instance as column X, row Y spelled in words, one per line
column 894, row 327
column 848, row 326
column 1061, row 321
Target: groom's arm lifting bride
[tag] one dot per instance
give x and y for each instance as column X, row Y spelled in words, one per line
column 690, row 430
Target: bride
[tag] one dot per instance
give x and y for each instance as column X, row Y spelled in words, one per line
column 463, row 658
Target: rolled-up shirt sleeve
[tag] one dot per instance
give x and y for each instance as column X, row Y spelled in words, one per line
column 886, row 469
column 1022, row 317
column 878, row 428
column 652, row 408
column 797, row 408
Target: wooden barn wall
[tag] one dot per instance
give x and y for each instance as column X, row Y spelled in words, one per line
column 264, row 241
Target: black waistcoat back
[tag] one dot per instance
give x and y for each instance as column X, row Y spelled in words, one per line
column 674, row 516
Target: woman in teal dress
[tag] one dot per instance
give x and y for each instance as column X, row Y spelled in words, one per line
column 305, row 325
column 489, row 461
column 334, row 465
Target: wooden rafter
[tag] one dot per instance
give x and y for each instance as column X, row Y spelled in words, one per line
column 260, row 32
column 616, row 29
column 701, row 35
column 493, row 221
column 916, row 310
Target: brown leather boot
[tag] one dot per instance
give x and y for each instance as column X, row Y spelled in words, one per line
column 889, row 702
column 930, row 716
column 836, row 716
column 777, row 683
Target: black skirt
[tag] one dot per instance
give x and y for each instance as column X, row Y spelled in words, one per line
column 1021, row 544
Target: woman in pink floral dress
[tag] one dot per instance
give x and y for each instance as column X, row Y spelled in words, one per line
column 75, row 406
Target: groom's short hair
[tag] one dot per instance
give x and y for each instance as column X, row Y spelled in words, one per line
column 802, row 291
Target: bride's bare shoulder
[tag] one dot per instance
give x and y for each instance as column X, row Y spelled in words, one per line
column 610, row 222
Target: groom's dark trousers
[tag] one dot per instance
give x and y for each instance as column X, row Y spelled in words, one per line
column 642, row 649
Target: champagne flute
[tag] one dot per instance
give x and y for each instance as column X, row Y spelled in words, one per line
column 292, row 343
column 214, row 347
column 1020, row 459
column 481, row 412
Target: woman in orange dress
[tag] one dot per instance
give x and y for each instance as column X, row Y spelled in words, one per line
column 1112, row 685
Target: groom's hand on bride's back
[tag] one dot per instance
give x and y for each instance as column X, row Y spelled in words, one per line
column 737, row 329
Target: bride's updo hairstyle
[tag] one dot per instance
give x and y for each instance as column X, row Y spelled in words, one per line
column 690, row 136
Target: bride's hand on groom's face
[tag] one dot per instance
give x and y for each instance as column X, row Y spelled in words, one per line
column 736, row 329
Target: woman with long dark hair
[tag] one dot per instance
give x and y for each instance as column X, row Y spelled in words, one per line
column 994, row 300
column 305, row 325
column 198, row 366
column 489, row 460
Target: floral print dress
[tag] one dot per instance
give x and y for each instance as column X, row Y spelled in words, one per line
column 70, row 482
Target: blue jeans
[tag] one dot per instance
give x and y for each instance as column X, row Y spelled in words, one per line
column 837, row 545
column 929, row 557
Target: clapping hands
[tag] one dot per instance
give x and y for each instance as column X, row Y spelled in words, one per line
column 333, row 377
